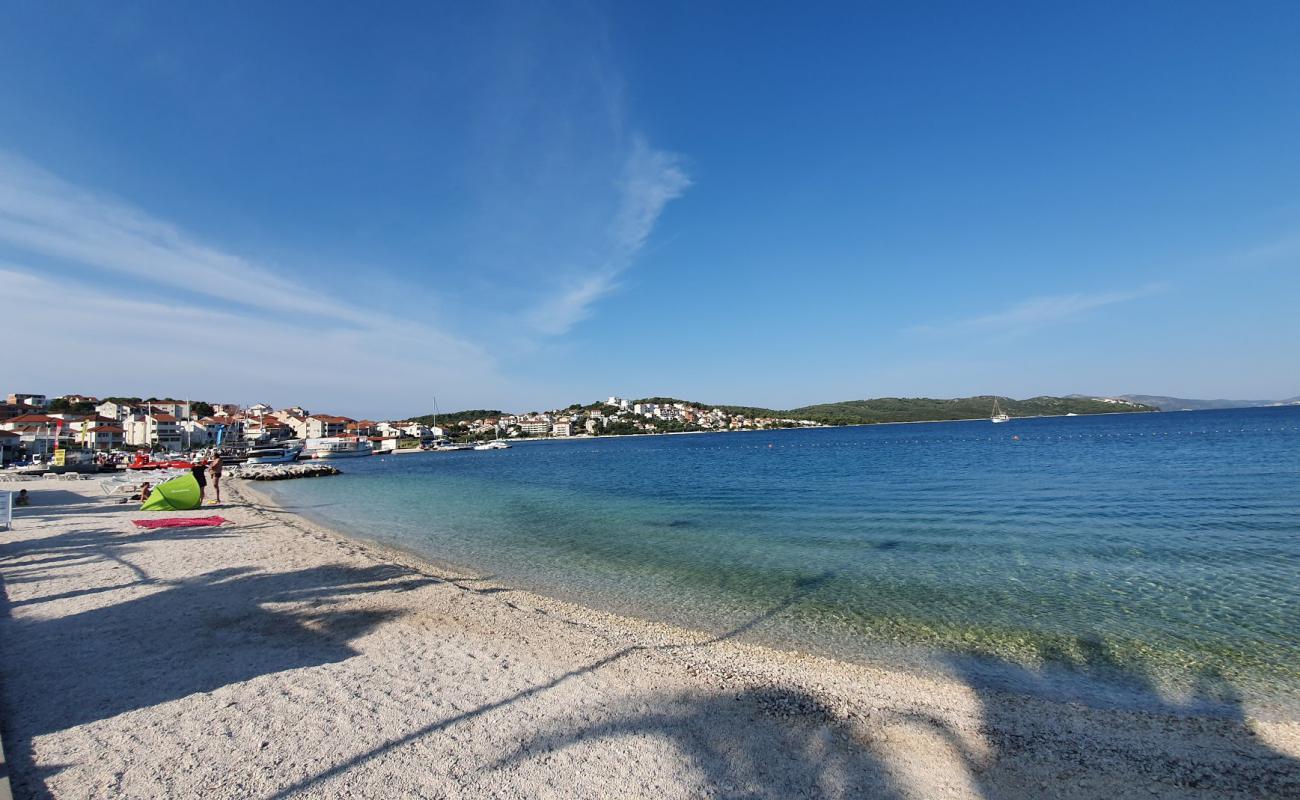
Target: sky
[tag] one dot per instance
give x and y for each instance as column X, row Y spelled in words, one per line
column 520, row 205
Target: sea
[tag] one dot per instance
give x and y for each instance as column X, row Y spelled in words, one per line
column 1122, row 559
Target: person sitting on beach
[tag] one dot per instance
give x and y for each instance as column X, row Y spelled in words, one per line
column 215, row 469
column 22, row 499
column 142, row 495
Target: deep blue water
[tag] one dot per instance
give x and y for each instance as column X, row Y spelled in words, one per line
column 1158, row 548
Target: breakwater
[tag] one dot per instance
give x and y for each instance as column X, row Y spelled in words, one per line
column 281, row 472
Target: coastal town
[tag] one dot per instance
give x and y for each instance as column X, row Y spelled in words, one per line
column 36, row 426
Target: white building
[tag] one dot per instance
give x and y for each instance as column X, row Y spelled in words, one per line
column 114, row 411
column 147, row 430
column 535, row 427
column 324, row 426
column 34, row 400
column 562, row 429
column 176, row 408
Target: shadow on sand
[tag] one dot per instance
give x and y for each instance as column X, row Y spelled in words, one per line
column 778, row 742
column 169, row 640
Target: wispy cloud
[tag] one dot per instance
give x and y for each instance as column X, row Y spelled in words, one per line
column 227, row 324
column 651, row 179
column 47, row 216
column 1036, row 312
column 145, row 343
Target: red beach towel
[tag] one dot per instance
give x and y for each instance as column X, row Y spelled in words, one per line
column 181, row 522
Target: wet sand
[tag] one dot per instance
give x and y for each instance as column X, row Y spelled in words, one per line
column 272, row 658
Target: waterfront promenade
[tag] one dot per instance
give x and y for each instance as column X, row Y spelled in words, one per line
column 270, row 658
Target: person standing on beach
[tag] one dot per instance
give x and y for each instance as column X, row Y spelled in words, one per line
column 215, row 469
column 198, row 471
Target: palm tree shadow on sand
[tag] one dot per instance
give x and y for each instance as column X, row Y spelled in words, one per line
column 181, row 638
column 777, row 742
column 1098, row 727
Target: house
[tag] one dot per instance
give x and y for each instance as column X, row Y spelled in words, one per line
column 219, row 428
column 258, row 428
column 29, row 422
column 33, row 400
column 321, row 426
column 363, row 427
column 147, row 430
column 194, row 433
column 294, row 422
column 36, row 432
column 535, row 427
column 9, row 443
column 104, row 437
column 177, row 408
column 115, row 411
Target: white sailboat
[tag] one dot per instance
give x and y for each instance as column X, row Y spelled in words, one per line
column 998, row 415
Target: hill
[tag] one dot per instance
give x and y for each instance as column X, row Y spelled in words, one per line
column 1184, row 403
column 926, row 409
column 452, row 417
column 865, row 412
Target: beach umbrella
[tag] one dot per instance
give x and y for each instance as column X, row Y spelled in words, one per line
column 177, row 494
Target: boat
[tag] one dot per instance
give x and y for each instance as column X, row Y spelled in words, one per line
column 273, row 455
column 445, row 446
column 998, row 415
column 142, row 461
column 338, row 447
column 496, row 444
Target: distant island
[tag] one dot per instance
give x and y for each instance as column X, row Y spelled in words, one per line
column 620, row 416
column 926, row 409
column 1188, row 404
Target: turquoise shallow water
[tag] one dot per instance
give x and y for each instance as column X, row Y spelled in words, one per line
column 1124, row 554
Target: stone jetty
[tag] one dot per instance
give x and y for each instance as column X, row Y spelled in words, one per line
column 281, row 472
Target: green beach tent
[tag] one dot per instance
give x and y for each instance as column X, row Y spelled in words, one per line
column 177, row 494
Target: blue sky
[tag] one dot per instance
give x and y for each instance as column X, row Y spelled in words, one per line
column 518, row 205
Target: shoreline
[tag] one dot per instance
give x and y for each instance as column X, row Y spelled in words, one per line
column 588, row 436
column 322, row 664
column 939, row 658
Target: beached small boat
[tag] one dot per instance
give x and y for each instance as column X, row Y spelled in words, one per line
column 998, row 415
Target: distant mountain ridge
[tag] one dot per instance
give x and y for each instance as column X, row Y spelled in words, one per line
column 866, row 412
column 926, row 409
column 1183, row 403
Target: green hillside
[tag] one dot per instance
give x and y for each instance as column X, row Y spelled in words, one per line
column 926, row 409
column 453, row 417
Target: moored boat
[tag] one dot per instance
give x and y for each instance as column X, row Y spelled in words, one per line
column 338, row 447
column 998, row 415
column 273, row 455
